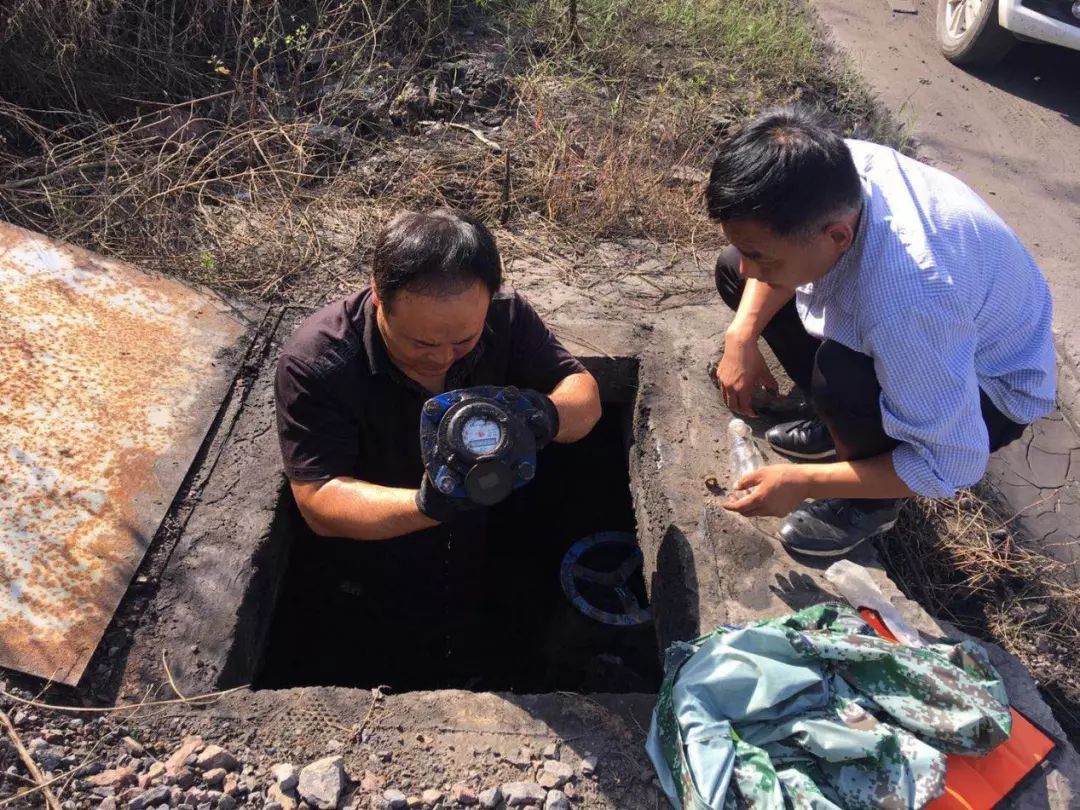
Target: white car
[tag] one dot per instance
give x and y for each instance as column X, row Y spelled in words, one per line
column 978, row 32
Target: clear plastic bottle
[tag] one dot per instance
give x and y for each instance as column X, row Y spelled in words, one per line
column 744, row 454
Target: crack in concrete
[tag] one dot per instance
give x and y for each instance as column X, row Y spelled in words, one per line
column 1040, row 487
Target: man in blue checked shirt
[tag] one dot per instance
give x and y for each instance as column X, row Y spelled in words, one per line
column 897, row 300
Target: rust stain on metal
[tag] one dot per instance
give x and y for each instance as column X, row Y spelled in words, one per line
column 109, row 379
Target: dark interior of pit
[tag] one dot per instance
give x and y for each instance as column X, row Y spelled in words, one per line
column 502, row 623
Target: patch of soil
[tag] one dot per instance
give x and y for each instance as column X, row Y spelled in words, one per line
column 222, row 753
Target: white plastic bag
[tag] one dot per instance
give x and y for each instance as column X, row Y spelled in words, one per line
column 855, row 585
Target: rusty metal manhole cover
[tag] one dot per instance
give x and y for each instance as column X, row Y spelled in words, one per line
column 109, row 379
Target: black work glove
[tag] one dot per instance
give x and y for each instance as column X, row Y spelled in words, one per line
column 542, row 419
column 439, row 507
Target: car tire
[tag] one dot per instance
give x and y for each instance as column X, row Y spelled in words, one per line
column 969, row 34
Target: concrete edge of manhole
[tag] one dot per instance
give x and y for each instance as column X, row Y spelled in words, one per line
column 200, row 585
column 219, row 583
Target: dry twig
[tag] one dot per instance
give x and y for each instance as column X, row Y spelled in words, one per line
column 45, row 785
column 198, row 700
column 39, row 778
column 172, row 683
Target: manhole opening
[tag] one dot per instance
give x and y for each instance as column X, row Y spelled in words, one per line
column 349, row 614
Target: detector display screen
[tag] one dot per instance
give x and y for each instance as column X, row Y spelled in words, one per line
column 481, row 435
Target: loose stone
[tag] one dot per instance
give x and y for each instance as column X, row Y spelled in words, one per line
column 285, row 775
column 520, row 794
column 214, row 756
column 322, row 782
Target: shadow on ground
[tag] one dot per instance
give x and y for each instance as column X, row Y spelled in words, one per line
column 1043, row 74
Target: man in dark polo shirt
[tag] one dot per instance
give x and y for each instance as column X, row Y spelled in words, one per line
column 351, row 383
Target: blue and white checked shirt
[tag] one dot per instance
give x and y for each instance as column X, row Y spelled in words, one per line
column 943, row 296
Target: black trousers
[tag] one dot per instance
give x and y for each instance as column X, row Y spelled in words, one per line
column 841, row 383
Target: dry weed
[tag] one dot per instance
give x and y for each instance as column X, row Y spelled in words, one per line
column 238, row 143
column 963, row 561
column 228, row 184
column 617, row 131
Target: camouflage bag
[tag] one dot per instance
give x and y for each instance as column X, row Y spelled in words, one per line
column 814, row 711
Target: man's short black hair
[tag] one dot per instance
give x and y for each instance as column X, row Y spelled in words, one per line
column 436, row 253
column 787, row 168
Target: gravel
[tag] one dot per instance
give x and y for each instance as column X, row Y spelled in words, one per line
column 275, row 795
column 213, row 757
column 588, row 765
column 179, row 757
column 151, row 798
column 463, row 795
column 214, row 777
column 520, row 794
column 558, row 773
column 322, row 782
column 285, row 776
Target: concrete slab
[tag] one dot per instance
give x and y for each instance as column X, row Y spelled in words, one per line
column 1037, row 478
column 110, row 379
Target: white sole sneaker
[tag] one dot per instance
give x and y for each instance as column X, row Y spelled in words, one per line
column 840, row 552
column 803, row 456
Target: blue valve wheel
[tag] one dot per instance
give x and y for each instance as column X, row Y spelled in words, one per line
column 597, row 575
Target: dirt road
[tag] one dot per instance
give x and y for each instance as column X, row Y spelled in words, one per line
column 1011, row 132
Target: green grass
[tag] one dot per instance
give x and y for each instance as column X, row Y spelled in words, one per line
column 647, row 87
column 768, row 39
column 752, row 53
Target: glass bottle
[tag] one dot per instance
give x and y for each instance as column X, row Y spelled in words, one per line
column 743, row 452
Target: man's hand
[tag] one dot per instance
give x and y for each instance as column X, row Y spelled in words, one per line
column 439, row 507
column 773, row 491
column 543, row 419
column 742, row 369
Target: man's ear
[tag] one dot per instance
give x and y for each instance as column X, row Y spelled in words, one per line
column 841, row 234
column 375, row 297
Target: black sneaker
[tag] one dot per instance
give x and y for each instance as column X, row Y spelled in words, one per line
column 792, row 405
column 832, row 528
column 807, row 439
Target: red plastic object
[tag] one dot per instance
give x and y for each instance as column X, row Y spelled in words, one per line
column 979, row 783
